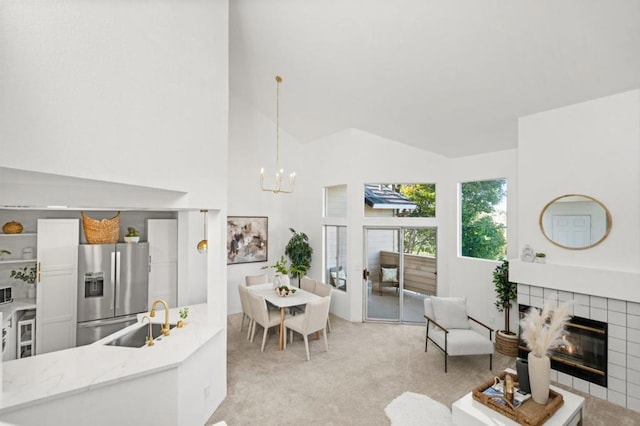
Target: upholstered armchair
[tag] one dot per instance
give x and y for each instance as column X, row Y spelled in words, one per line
column 449, row 327
column 338, row 278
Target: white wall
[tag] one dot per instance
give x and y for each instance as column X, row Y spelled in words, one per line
column 591, row 148
column 473, row 278
column 130, row 92
column 353, row 158
column 252, row 145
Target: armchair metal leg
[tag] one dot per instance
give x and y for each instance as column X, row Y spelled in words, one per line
column 490, row 361
column 446, row 354
column 426, row 340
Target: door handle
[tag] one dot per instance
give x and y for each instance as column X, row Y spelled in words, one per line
column 365, row 274
column 38, row 271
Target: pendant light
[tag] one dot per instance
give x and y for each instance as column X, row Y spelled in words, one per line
column 277, row 187
column 203, row 245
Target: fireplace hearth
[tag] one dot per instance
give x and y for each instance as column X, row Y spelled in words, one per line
column 584, row 353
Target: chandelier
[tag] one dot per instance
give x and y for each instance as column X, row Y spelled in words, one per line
column 277, row 186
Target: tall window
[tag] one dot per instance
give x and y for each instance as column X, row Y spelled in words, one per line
column 335, row 201
column 484, row 219
column 335, row 243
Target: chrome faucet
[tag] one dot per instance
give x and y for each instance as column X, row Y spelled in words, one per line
column 165, row 327
column 149, row 339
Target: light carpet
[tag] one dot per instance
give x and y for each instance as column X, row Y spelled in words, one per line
column 416, row 409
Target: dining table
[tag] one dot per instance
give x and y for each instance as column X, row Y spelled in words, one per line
column 299, row 298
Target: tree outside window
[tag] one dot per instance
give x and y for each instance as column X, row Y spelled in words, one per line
column 484, row 219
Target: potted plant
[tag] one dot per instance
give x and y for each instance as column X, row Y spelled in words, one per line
column 540, row 258
column 3, row 252
column 506, row 294
column 184, row 313
column 281, row 277
column 28, row 276
column 299, row 251
column 133, row 236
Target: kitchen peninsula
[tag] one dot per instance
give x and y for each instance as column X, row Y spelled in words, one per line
column 178, row 380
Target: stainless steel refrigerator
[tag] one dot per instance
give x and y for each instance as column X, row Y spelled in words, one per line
column 113, row 286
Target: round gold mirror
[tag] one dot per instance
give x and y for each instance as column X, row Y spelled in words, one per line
column 575, row 222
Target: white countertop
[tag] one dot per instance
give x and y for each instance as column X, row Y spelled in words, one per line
column 8, row 309
column 70, row 371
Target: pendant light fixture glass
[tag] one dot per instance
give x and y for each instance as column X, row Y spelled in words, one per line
column 277, row 186
column 203, row 245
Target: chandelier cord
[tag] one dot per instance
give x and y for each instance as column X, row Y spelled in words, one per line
column 278, row 81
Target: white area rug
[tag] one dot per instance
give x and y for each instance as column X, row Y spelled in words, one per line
column 415, row 409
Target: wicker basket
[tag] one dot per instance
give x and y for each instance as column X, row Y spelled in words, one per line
column 506, row 344
column 12, row 227
column 105, row 231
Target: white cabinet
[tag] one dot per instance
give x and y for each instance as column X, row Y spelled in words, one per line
column 162, row 235
column 9, row 337
column 57, row 281
column 26, row 333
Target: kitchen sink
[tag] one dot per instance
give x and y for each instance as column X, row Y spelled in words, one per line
column 137, row 338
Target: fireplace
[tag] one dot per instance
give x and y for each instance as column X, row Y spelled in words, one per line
column 584, row 353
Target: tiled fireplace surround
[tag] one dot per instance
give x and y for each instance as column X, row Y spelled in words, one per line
column 623, row 317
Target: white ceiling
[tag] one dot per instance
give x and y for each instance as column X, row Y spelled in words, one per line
column 448, row 76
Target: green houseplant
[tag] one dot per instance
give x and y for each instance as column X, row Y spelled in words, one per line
column 28, row 277
column 299, row 251
column 506, row 294
column 282, row 272
column 3, row 252
column 133, row 236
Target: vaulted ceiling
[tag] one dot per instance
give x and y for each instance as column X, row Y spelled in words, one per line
column 450, row 77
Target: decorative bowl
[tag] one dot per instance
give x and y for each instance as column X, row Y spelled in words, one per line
column 12, row 227
column 284, row 291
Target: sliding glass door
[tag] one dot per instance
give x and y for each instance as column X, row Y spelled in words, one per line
column 400, row 270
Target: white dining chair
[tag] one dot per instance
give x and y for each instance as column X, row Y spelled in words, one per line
column 308, row 284
column 246, row 308
column 262, row 316
column 256, row 279
column 314, row 319
column 324, row 290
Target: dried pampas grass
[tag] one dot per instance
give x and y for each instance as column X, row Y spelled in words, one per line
column 542, row 331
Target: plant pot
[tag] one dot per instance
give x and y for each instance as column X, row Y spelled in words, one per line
column 281, row 280
column 507, row 344
column 31, row 291
column 131, row 239
column 539, row 259
column 539, row 378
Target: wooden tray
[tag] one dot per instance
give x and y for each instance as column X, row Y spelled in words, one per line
column 529, row 413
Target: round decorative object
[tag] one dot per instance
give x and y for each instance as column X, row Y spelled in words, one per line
column 131, row 239
column 12, row 227
column 539, row 377
column 528, row 254
column 284, row 291
column 575, row 221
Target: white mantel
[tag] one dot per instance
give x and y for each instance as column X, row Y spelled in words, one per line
column 613, row 284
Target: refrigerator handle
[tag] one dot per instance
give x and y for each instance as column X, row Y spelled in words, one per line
column 116, row 278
